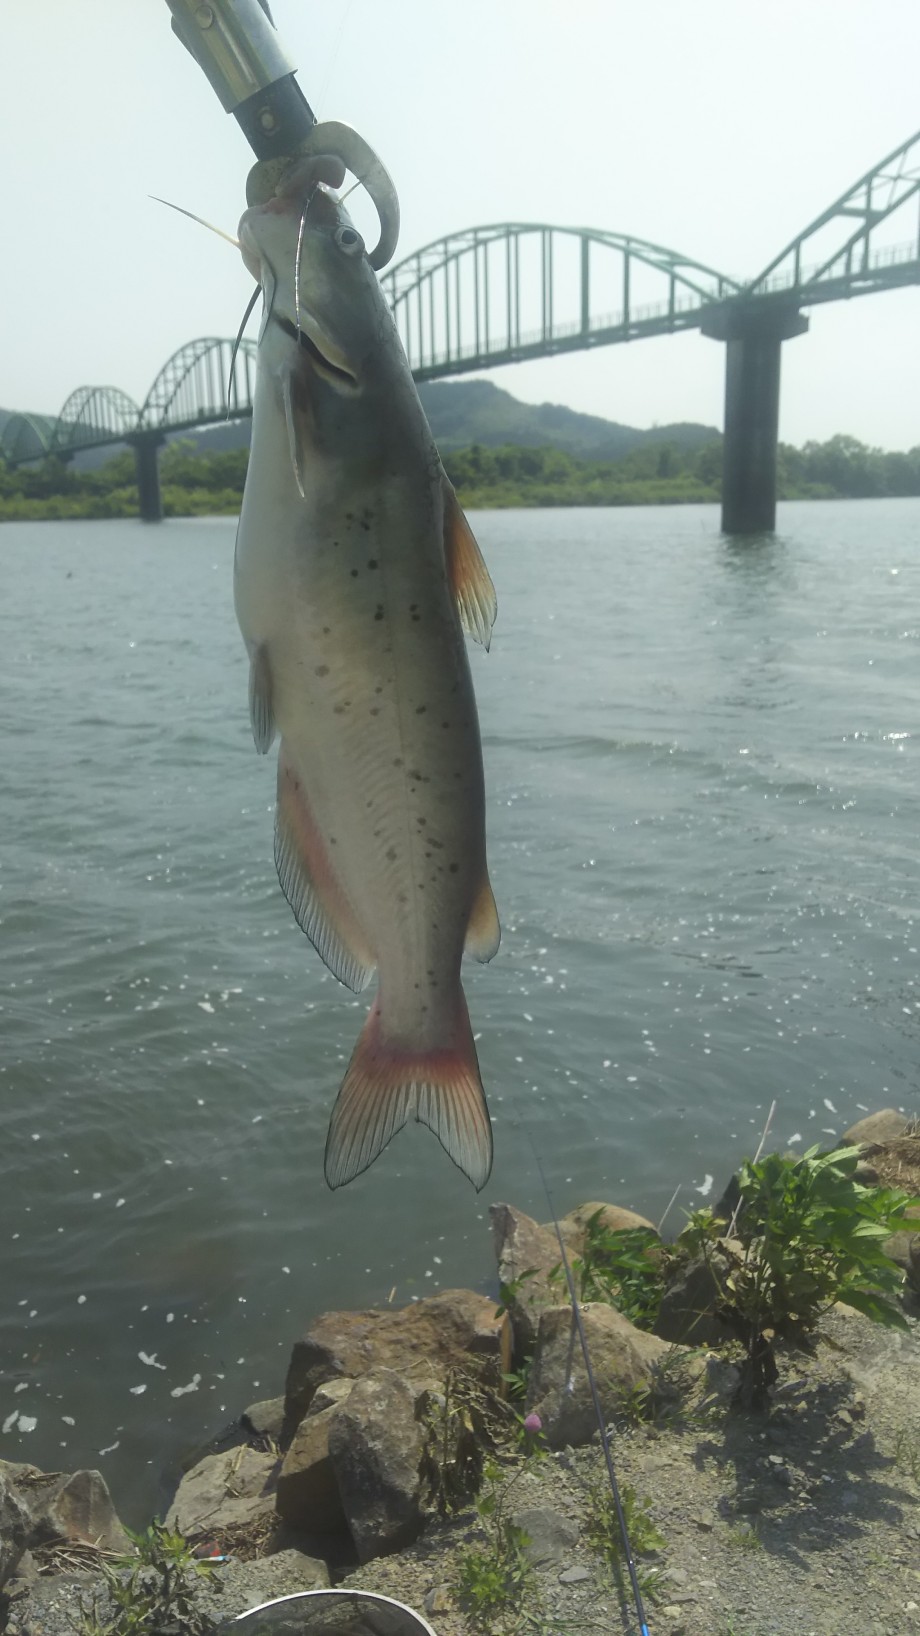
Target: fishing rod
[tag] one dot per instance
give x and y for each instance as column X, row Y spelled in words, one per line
column 236, row 45
column 596, row 1400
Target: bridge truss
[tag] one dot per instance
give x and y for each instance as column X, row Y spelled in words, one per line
column 516, row 290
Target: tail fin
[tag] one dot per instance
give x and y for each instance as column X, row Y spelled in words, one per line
column 386, row 1085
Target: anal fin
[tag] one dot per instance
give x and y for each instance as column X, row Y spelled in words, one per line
column 312, row 888
column 484, row 933
column 261, row 714
column 469, row 577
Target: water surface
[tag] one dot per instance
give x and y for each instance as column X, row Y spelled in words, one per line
column 702, row 764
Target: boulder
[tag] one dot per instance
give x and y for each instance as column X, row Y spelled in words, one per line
column 622, row 1358
column 265, row 1419
column 14, row 1529
column 376, row 1445
column 687, row 1313
column 308, row 1494
column 74, row 1506
column 223, row 1489
column 332, row 1392
column 424, row 1339
column 613, row 1216
column 521, row 1247
column 885, row 1126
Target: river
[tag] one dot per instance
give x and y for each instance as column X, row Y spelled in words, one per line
column 702, row 769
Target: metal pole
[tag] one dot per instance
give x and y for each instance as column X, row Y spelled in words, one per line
column 236, row 45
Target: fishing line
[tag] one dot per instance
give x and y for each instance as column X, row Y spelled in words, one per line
column 595, row 1395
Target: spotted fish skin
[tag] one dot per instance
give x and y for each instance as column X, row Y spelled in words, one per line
column 355, row 574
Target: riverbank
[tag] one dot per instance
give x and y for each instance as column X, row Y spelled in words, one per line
column 399, row 1458
column 196, row 484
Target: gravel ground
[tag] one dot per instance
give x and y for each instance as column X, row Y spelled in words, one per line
column 800, row 1522
column 803, row 1521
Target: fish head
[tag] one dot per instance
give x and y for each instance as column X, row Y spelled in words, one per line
column 320, row 291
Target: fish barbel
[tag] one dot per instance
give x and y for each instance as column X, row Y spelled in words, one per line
column 355, row 575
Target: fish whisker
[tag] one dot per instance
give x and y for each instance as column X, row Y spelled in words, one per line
column 236, row 345
column 199, row 219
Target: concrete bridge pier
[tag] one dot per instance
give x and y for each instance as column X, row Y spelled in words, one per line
column 147, row 466
column 754, row 335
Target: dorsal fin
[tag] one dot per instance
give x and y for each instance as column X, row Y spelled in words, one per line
column 469, row 577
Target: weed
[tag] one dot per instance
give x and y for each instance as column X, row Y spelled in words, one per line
column 744, row 1537
column 603, row 1533
column 621, row 1266
column 452, row 1460
column 152, row 1592
column 810, row 1235
column 491, row 1582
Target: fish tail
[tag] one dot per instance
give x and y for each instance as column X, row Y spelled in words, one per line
column 387, row 1084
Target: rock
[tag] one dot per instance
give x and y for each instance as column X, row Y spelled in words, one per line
column 308, row 1494
column 876, row 1128
column 521, row 1246
column 550, row 1536
column 14, row 1529
column 613, row 1217
column 440, row 1599
column 622, row 1358
column 574, row 1576
column 76, row 1506
column 375, row 1445
column 687, row 1310
column 265, row 1419
column 422, row 1340
column 223, row 1489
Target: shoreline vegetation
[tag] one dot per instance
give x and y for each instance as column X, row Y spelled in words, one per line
column 196, row 484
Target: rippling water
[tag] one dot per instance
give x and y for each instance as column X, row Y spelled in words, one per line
column 702, row 761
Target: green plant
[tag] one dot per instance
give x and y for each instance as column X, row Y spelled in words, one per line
column 152, row 1592
column 745, row 1537
column 810, row 1235
column 604, row 1536
column 491, row 1582
column 508, row 1292
column 622, row 1266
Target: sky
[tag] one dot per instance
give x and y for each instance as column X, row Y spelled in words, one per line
column 720, row 128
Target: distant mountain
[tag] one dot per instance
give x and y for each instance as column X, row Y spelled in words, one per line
column 465, row 412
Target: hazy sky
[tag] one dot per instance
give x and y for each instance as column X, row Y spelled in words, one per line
column 718, row 127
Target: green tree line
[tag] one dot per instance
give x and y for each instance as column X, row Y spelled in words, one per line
column 199, row 484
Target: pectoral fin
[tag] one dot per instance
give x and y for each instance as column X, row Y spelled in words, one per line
column 483, row 934
column 311, row 886
column 469, row 577
column 261, row 715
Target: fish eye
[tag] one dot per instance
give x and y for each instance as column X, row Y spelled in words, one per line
column 348, row 241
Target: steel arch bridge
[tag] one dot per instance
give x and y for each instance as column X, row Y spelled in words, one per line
column 195, row 386
column 851, row 242
column 516, row 290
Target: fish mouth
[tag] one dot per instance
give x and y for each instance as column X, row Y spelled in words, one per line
column 337, row 373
